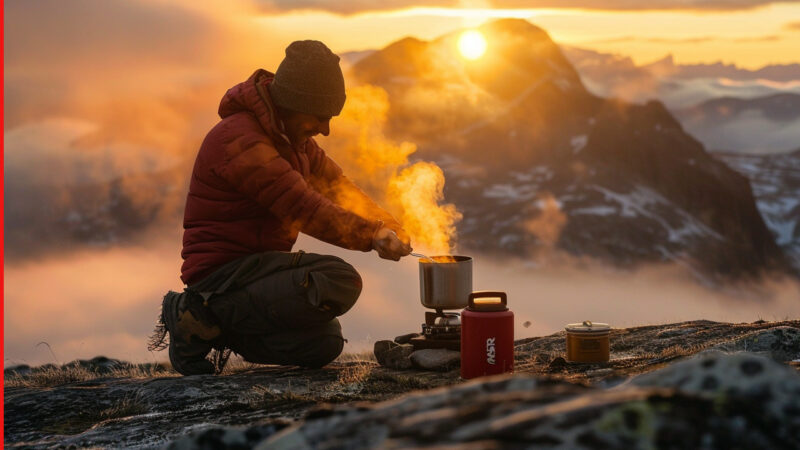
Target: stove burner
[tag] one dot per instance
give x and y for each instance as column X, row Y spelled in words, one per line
column 448, row 320
column 438, row 323
column 440, row 330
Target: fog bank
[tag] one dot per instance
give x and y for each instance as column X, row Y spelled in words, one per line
column 104, row 302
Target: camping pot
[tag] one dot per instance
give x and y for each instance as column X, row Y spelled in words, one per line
column 445, row 282
column 587, row 342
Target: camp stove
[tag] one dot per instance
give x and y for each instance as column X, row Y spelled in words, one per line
column 440, row 330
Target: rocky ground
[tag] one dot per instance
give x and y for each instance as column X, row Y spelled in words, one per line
column 742, row 389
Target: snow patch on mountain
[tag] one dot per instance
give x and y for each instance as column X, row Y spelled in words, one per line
column 640, row 202
column 775, row 180
column 578, row 142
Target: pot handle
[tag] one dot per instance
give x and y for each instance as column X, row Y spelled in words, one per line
column 487, row 294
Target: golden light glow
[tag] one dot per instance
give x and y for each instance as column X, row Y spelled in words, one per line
column 472, row 44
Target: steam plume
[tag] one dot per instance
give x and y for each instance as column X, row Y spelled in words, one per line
column 412, row 193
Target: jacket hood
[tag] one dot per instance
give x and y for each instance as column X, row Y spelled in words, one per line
column 252, row 96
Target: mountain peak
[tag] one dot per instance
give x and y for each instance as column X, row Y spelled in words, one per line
column 520, row 56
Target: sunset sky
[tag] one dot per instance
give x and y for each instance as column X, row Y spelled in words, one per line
column 73, row 54
column 749, row 34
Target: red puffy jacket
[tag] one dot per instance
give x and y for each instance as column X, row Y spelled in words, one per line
column 252, row 191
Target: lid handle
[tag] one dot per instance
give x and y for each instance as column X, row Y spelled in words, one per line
column 587, row 323
column 487, row 294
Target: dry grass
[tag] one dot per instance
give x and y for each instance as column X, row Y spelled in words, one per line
column 131, row 405
column 366, row 355
column 355, row 372
column 143, row 371
column 48, row 376
column 265, row 398
column 362, row 360
column 541, row 358
column 357, row 368
column 399, row 382
column 672, row 352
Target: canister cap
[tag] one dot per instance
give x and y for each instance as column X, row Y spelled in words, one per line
column 587, row 327
column 487, row 301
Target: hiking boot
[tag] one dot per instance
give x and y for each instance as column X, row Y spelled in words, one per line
column 192, row 328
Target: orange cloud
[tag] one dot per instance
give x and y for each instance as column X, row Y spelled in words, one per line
column 689, row 40
column 792, row 26
column 361, row 6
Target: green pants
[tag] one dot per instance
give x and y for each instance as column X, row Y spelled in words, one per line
column 281, row 308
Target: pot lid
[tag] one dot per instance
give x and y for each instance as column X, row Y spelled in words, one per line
column 587, row 326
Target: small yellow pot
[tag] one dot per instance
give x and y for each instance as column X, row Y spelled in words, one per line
column 587, row 342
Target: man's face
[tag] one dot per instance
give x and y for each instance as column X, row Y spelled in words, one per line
column 301, row 126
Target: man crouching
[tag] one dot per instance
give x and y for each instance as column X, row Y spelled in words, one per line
column 259, row 179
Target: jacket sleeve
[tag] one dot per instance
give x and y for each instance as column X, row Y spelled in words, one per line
column 333, row 184
column 254, row 167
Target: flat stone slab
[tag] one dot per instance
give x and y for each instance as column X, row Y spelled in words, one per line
column 436, row 359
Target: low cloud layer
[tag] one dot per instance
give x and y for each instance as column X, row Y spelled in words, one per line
column 104, row 302
column 749, row 132
column 678, row 85
column 360, row 6
column 106, row 104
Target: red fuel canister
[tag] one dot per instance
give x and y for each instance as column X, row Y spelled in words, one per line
column 487, row 335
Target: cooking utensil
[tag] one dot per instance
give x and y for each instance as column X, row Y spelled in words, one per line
column 420, row 255
column 445, row 282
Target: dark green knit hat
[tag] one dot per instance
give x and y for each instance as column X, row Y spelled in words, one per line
column 309, row 80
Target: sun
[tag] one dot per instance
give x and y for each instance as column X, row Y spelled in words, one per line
column 472, row 44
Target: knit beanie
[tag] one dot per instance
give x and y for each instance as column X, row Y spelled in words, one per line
column 309, row 80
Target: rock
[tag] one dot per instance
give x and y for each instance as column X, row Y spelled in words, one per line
column 525, row 412
column 20, row 369
column 398, row 357
column 673, row 332
column 217, row 437
column 746, row 376
column 393, row 355
column 98, row 364
column 779, row 343
column 600, row 372
column 406, row 338
column 134, row 411
column 436, row 359
column 557, row 363
column 381, row 348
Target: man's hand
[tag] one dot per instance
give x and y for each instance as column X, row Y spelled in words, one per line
column 389, row 246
